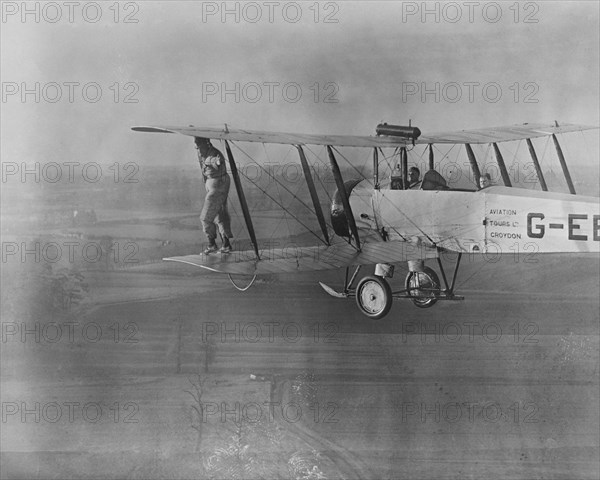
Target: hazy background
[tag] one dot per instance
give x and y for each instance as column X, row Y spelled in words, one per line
column 172, row 51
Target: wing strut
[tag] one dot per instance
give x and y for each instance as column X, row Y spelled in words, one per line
column 431, row 165
column 375, row 168
column 242, row 197
column 502, row 166
column 473, row 162
column 563, row 164
column 343, row 195
column 313, row 193
column 404, row 158
column 538, row 169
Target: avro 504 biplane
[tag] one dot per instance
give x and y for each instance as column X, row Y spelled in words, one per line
column 389, row 222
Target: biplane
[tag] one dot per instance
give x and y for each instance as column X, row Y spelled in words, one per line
column 388, row 222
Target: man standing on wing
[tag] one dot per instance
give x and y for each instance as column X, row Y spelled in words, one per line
column 217, row 182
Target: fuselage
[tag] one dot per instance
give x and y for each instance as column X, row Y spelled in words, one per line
column 495, row 219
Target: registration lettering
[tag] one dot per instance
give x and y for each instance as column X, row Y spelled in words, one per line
column 576, row 226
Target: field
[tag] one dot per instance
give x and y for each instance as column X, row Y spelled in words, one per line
column 129, row 367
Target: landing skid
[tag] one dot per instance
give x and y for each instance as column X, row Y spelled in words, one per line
column 333, row 293
column 348, row 290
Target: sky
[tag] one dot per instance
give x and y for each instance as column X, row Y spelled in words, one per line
column 76, row 78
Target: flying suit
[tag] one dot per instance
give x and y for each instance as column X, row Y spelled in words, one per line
column 217, row 182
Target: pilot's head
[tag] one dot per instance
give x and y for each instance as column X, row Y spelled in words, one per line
column 413, row 174
column 485, row 180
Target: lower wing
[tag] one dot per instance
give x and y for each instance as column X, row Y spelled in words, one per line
column 313, row 258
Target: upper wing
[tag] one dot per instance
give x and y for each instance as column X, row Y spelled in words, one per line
column 484, row 135
column 298, row 259
column 279, row 137
column 502, row 134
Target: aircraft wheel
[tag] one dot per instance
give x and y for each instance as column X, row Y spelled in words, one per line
column 423, row 287
column 374, row 297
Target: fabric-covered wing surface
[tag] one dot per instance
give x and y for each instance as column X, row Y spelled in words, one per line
column 502, row 134
column 298, row 259
column 484, row 135
column 279, row 137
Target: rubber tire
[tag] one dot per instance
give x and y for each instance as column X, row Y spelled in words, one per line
column 383, row 296
column 424, row 302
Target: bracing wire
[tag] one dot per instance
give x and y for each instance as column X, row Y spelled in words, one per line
column 277, row 202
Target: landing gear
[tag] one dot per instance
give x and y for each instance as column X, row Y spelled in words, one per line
column 374, row 297
column 423, row 288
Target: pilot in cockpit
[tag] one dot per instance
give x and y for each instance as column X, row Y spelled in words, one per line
column 485, row 181
column 432, row 180
column 414, row 179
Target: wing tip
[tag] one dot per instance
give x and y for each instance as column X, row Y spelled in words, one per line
column 151, row 129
